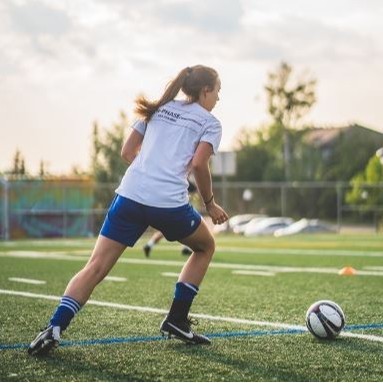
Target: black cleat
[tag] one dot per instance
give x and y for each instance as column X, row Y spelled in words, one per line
column 147, row 250
column 181, row 330
column 47, row 340
column 186, row 251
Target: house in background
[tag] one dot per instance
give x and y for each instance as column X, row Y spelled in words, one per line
column 337, row 154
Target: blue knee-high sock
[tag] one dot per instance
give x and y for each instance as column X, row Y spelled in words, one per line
column 65, row 312
column 185, row 291
column 183, row 299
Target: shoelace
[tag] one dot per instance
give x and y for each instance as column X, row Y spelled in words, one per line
column 192, row 321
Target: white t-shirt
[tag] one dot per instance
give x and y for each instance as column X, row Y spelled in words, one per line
column 158, row 175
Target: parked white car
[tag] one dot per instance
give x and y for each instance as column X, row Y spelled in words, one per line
column 266, row 226
column 305, row 226
column 235, row 223
column 238, row 223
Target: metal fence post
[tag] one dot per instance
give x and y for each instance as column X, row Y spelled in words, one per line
column 283, row 200
column 339, row 206
column 64, row 212
column 5, row 184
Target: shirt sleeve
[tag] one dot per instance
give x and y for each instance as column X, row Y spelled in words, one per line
column 212, row 135
column 140, row 126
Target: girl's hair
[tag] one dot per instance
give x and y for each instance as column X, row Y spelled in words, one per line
column 190, row 80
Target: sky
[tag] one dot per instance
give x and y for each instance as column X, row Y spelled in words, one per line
column 65, row 64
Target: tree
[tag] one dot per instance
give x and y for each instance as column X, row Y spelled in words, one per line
column 365, row 192
column 252, row 156
column 259, row 156
column 107, row 164
column 18, row 167
column 350, row 153
column 42, row 169
column 288, row 102
column 362, row 193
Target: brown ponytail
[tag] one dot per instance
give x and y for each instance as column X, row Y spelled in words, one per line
column 190, row 80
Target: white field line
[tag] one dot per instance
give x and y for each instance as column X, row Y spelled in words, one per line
column 26, row 280
column 115, row 279
column 156, row 262
column 376, row 273
column 26, row 294
column 250, row 272
column 373, row 338
column 170, row 274
column 279, row 251
column 376, row 268
column 328, row 270
column 45, row 242
column 272, row 251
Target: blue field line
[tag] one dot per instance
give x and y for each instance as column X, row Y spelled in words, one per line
column 229, row 334
column 372, row 326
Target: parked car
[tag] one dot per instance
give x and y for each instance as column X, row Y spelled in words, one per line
column 235, row 223
column 238, row 223
column 266, row 226
column 305, row 226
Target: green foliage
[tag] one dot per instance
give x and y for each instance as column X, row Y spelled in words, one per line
column 260, row 159
column 18, row 167
column 260, row 155
column 361, row 194
column 42, row 170
column 107, row 164
column 350, row 153
column 288, row 102
column 252, row 156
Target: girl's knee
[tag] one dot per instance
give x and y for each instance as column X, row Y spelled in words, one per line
column 96, row 270
column 210, row 246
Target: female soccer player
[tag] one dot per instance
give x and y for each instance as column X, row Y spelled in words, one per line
column 170, row 139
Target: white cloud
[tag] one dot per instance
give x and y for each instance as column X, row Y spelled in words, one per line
column 69, row 62
column 34, row 18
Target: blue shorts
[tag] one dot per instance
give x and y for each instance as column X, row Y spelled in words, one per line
column 127, row 220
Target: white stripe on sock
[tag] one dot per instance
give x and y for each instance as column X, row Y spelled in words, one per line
column 191, row 287
column 72, row 302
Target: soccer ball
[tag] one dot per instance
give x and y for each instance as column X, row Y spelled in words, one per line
column 325, row 319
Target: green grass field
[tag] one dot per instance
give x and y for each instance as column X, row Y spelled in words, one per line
column 255, row 292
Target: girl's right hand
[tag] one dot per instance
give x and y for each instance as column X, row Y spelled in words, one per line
column 217, row 213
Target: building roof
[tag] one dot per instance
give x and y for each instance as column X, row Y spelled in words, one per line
column 322, row 137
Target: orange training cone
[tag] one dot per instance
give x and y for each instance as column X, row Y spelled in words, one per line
column 348, row 270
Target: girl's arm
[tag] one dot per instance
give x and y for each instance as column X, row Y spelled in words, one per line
column 201, row 171
column 132, row 146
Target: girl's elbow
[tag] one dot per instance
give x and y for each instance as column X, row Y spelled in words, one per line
column 197, row 166
column 126, row 157
column 123, row 154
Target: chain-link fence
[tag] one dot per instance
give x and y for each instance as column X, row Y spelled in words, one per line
column 73, row 208
column 319, row 200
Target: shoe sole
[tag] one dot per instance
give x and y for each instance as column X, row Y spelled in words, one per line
column 170, row 334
